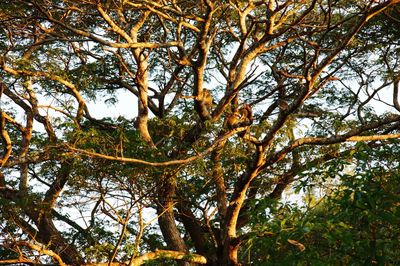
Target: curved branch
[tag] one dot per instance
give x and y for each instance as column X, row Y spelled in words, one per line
column 5, row 139
column 168, row 254
column 58, row 184
column 41, row 119
column 396, row 94
column 17, row 261
column 351, row 136
column 158, row 164
column 157, row 254
column 95, row 38
column 41, row 250
column 74, row 225
column 74, row 90
column 113, row 25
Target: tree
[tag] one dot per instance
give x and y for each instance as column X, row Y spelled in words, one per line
column 237, row 101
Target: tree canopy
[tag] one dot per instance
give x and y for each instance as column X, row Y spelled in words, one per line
column 252, row 132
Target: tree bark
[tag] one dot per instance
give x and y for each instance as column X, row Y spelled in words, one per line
column 166, row 218
column 230, row 241
column 49, row 235
column 193, row 226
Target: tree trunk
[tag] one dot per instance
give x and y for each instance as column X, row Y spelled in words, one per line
column 166, row 219
column 49, row 235
column 231, row 241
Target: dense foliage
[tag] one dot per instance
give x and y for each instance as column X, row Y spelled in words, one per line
column 356, row 222
column 199, row 132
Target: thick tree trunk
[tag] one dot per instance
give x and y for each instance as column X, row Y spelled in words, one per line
column 218, row 176
column 169, row 230
column 142, row 83
column 166, row 219
column 230, row 250
column 49, row 235
column 203, row 245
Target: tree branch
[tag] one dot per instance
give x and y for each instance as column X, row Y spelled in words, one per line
column 168, row 254
column 157, row 164
column 42, row 250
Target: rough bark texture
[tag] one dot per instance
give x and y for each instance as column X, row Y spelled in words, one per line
column 166, row 219
column 49, row 235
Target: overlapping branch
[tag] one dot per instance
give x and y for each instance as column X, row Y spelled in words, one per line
column 158, row 164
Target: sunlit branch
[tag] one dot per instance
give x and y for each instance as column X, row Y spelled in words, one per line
column 74, row 90
column 166, row 16
column 326, row 141
column 5, row 139
column 155, row 164
column 96, row 38
column 169, row 254
column 42, row 250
